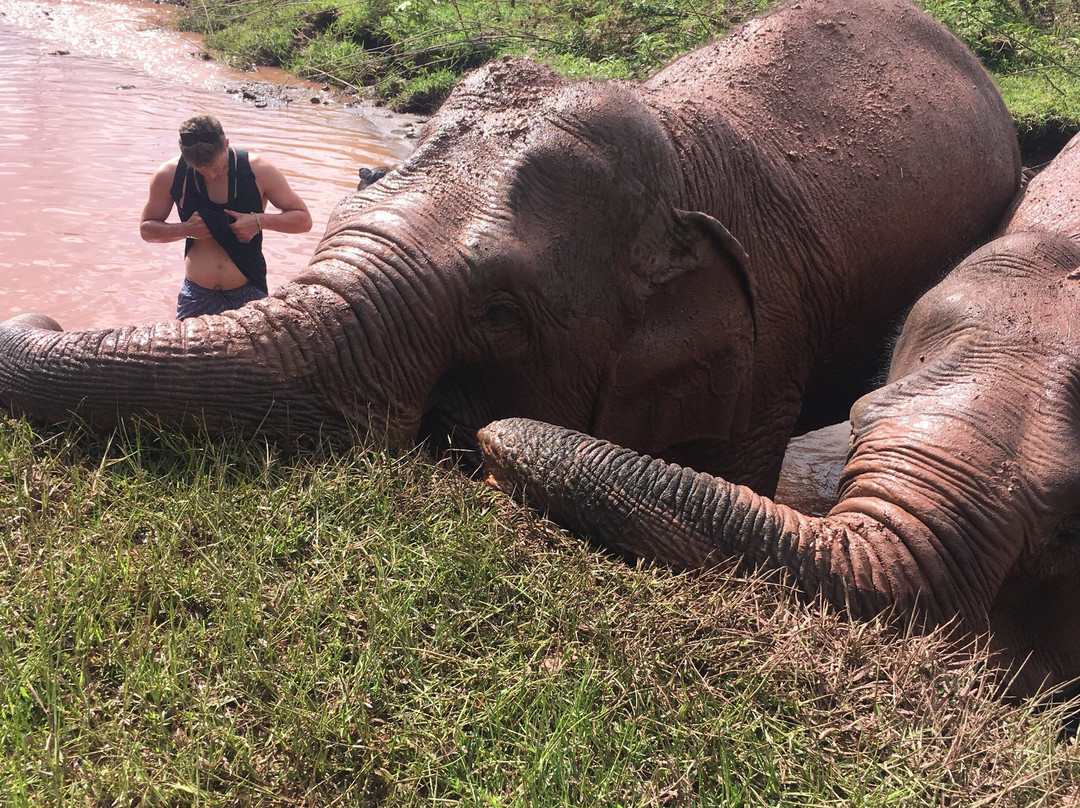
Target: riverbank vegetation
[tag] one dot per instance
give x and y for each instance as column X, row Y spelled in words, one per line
column 197, row 622
column 409, row 53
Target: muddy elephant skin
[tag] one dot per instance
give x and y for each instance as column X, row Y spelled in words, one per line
column 669, row 265
column 960, row 498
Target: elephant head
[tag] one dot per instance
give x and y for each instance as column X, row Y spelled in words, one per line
column 503, row 269
column 958, row 503
column 578, row 241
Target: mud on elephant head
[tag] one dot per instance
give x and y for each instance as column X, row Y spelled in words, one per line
column 686, row 266
column 960, row 499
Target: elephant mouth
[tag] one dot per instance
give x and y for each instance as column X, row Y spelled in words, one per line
column 445, row 438
column 455, row 410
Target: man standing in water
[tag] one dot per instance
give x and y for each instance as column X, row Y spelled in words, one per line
column 220, row 194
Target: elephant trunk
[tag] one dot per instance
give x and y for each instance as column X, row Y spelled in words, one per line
column 342, row 348
column 689, row 520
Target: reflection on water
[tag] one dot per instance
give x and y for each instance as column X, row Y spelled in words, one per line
column 84, row 130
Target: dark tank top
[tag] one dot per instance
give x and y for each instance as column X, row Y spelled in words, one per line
column 189, row 193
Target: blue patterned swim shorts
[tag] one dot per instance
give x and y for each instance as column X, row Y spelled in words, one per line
column 194, row 300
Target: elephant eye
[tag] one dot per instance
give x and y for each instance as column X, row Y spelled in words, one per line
column 499, row 316
column 501, row 313
column 505, row 326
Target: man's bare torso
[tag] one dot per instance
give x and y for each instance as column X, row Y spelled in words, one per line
column 206, row 262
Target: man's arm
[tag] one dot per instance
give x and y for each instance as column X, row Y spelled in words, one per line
column 152, row 226
column 293, row 216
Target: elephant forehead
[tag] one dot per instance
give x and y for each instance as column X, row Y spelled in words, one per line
column 1026, row 281
column 488, row 126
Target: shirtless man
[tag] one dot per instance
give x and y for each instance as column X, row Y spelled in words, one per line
column 220, row 195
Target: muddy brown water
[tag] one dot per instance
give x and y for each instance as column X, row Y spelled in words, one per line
column 92, row 93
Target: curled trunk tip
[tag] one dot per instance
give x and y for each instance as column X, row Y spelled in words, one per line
column 513, row 449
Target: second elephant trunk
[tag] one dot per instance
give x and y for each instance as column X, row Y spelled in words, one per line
column 689, row 520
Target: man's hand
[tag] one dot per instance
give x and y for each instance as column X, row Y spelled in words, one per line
column 196, row 228
column 245, row 226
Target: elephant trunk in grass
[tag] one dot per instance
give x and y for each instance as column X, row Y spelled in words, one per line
column 960, row 499
column 691, row 266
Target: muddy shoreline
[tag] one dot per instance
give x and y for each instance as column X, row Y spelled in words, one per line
column 264, row 93
column 284, row 89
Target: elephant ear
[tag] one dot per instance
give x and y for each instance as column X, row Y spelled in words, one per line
column 684, row 373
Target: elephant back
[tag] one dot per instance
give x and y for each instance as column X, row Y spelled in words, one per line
column 1051, row 201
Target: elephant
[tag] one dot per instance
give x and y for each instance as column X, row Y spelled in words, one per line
column 959, row 502
column 695, row 265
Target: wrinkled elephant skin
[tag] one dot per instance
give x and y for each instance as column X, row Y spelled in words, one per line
column 688, row 266
column 960, row 498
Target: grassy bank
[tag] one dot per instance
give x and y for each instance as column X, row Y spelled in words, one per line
column 409, row 52
column 188, row 622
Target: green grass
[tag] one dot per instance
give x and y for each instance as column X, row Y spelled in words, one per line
column 412, row 51
column 1032, row 48
column 409, row 53
column 198, row 622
